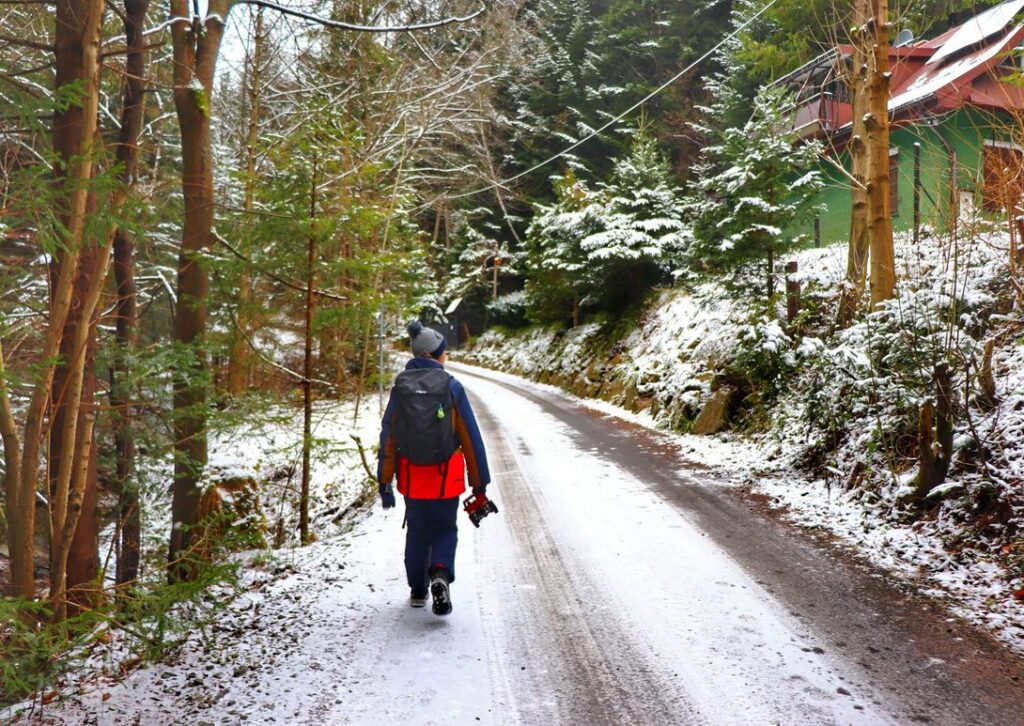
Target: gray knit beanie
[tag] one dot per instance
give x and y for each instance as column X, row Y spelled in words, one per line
column 425, row 341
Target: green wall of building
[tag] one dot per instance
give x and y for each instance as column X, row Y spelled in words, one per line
column 964, row 130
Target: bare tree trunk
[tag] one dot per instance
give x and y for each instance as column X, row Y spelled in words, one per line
column 857, row 251
column 307, row 368
column 196, row 44
column 12, row 459
column 883, row 264
column 76, row 45
column 240, row 360
column 132, row 111
column 73, row 399
column 84, row 589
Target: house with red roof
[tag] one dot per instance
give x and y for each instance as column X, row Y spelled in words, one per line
column 957, row 121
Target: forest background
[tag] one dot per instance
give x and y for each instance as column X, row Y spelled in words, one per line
column 216, row 214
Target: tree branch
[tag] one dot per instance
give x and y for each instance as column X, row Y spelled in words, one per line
column 26, row 43
column 283, row 280
column 129, row 51
column 339, row 25
column 295, row 375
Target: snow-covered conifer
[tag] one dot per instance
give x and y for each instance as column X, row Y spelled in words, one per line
column 558, row 278
column 753, row 182
column 642, row 231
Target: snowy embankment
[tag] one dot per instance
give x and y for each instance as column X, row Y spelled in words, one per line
column 829, row 431
column 243, row 624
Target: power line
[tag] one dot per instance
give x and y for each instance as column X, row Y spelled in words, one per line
column 631, row 109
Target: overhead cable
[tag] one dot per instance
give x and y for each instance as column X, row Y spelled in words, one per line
column 596, row 132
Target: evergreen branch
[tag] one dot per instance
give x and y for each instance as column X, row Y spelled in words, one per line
column 611, row 122
column 11, row 40
column 284, row 281
column 295, row 375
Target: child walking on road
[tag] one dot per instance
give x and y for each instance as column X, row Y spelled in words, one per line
column 430, row 441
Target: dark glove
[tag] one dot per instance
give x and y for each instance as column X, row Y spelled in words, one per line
column 480, row 490
column 387, row 496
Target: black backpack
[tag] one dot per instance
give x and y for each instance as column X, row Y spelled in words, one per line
column 424, row 433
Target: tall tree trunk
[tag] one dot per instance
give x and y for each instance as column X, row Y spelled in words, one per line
column 883, row 264
column 132, row 112
column 12, row 455
column 76, row 44
column 857, row 251
column 196, row 44
column 73, row 399
column 240, row 360
column 307, row 367
column 83, row 560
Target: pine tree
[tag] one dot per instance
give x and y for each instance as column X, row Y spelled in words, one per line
column 556, row 96
column 752, row 183
column 643, row 43
column 556, row 263
column 642, row 233
column 482, row 259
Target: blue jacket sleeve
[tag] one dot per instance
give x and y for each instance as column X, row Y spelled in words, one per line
column 468, row 433
column 386, row 454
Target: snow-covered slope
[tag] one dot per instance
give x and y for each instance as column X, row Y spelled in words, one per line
column 834, row 414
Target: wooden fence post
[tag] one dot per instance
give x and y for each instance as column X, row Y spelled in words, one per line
column 792, row 292
column 943, row 420
column 926, row 451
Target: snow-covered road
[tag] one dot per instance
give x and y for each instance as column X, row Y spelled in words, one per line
column 599, row 594
column 616, row 586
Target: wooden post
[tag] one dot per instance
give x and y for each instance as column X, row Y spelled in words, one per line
column 926, row 450
column 985, row 377
column 917, row 192
column 943, row 420
column 792, row 292
column 817, row 230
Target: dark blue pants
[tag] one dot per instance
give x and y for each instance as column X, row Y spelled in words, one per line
column 431, row 538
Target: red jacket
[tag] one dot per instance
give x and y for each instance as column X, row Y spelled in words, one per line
column 433, row 481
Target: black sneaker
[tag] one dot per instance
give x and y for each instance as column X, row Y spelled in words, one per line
column 418, row 598
column 442, row 604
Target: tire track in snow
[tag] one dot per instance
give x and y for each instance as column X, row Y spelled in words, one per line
column 707, row 645
column 904, row 657
column 580, row 666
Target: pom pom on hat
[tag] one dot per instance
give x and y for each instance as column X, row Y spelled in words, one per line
column 414, row 328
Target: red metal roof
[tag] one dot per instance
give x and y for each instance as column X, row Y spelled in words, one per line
column 937, row 75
